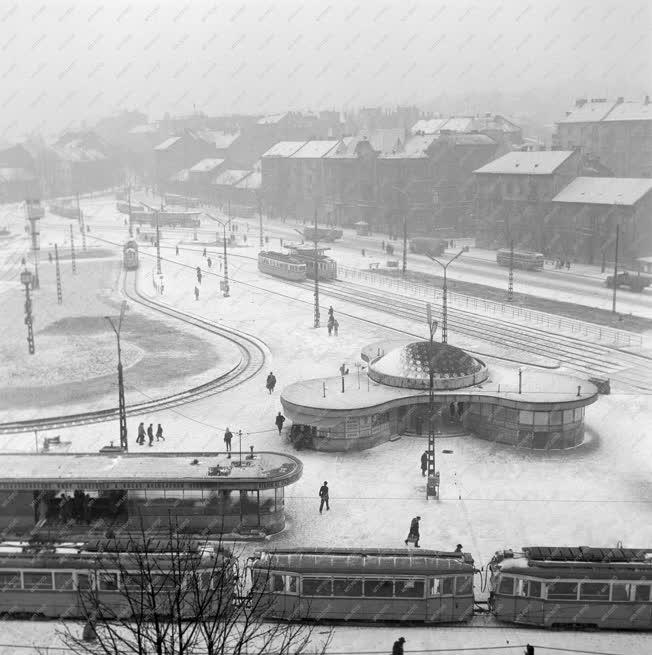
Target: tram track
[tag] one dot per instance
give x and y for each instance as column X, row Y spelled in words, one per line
column 251, row 362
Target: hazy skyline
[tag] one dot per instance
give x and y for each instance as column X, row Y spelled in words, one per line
column 66, row 62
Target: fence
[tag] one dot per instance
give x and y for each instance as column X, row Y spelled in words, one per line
column 505, row 311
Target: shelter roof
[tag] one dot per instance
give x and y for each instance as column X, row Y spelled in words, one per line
column 151, row 471
column 206, row 165
column 271, row 119
column 545, row 162
column 630, row 111
column 605, row 190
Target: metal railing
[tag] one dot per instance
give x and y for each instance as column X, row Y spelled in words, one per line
column 505, row 311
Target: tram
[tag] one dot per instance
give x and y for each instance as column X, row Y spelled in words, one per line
column 365, row 584
column 124, row 208
column 326, row 265
column 65, row 210
column 423, row 245
column 180, row 201
column 130, row 255
column 282, row 265
column 167, row 218
column 588, row 587
column 67, row 579
column 322, row 233
column 530, row 261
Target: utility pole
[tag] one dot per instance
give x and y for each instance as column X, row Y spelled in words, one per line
column 79, row 219
column 260, row 220
column 72, row 251
column 444, row 295
column 316, row 263
column 404, row 244
column 56, row 261
column 510, row 284
column 158, row 246
column 82, row 228
column 432, row 485
column 34, row 213
column 27, row 278
column 131, row 229
column 613, row 302
column 122, row 408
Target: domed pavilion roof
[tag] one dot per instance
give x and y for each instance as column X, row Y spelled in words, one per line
column 408, row 366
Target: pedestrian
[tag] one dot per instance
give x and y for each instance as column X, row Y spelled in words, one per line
column 177, row 250
column 397, row 648
column 141, row 434
column 159, row 433
column 424, row 463
column 280, row 419
column 383, row 246
column 451, row 410
column 228, row 435
column 150, row 433
column 329, row 325
column 266, row 239
column 323, row 494
column 271, row 382
column 209, row 262
column 336, row 326
column 50, row 257
column 244, row 236
column 331, row 312
column 458, row 548
column 568, row 264
column 196, row 293
column 204, row 253
column 363, row 252
column 413, row 535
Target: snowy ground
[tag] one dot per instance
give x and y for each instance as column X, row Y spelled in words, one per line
column 492, row 496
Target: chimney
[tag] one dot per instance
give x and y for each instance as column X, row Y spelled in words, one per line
column 580, row 102
column 620, row 100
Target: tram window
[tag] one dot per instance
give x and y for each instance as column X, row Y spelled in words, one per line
column 441, row 586
column 63, row 581
column 83, row 581
column 408, row 588
column 316, row 586
column 506, row 586
column 37, row 580
column 379, row 588
column 463, row 585
column 594, row 591
column 642, row 593
column 108, row 581
column 562, row 591
column 9, row 580
column 347, row 587
column 161, row 581
column 534, row 589
column 291, row 583
column 620, row 592
column 276, row 583
column 133, row 581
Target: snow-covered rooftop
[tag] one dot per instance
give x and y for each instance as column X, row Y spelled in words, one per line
column 284, row 149
column 168, row 143
column 605, row 190
column 544, row 162
column 315, row 149
column 206, row 165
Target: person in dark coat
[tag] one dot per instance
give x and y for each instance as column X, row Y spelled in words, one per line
column 177, row 250
column 424, row 463
column 150, row 433
column 141, row 434
column 397, row 648
column 196, row 293
column 324, row 495
column 228, row 435
column 336, row 326
column 280, row 419
column 159, row 433
column 209, row 261
column 458, row 548
column 271, row 382
column 413, row 535
column 204, row 253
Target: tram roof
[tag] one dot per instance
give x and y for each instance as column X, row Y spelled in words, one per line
column 371, row 561
column 125, row 471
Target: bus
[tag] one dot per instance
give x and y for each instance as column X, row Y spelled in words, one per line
column 530, row 261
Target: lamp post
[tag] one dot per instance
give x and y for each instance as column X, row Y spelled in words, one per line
column 316, row 268
column 131, row 226
column 431, row 485
column 27, row 279
column 444, row 296
column 510, row 283
column 520, row 378
column 122, row 409
column 158, row 236
column 226, row 265
column 260, row 220
column 34, row 214
column 613, row 301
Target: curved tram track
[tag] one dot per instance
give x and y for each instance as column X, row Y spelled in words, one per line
column 252, row 360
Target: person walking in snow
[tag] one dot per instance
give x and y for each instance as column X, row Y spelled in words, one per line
column 280, row 419
column 271, row 382
column 141, row 434
column 177, row 250
column 159, row 433
column 324, row 494
column 209, row 262
column 196, row 293
column 228, row 435
column 413, row 535
column 424, row 463
column 336, row 326
column 397, row 648
column 150, row 433
column 204, row 253
column 458, row 548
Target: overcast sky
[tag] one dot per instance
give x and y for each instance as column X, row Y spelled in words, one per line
column 62, row 62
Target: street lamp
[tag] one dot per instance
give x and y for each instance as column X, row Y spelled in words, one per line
column 27, row 279
column 34, row 214
column 121, row 389
column 520, row 378
column 404, row 193
column 226, row 265
column 315, row 240
column 158, row 237
column 432, row 484
column 444, row 296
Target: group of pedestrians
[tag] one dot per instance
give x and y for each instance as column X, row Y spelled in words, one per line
column 333, row 324
column 561, row 263
column 149, row 434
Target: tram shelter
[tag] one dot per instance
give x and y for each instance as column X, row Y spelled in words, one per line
column 203, row 492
